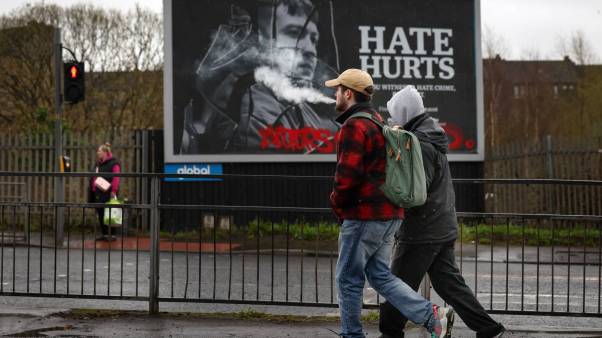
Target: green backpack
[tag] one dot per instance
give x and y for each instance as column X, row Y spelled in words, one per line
column 405, row 182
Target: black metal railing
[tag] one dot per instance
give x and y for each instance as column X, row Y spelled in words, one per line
column 533, row 263
column 225, row 252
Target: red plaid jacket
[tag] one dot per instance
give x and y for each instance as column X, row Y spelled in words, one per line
column 361, row 170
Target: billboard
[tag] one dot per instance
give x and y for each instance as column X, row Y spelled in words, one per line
column 244, row 79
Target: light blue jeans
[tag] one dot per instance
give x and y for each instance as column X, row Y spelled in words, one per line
column 364, row 253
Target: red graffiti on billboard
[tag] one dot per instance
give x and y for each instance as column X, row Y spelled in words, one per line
column 307, row 140
column 455, row 135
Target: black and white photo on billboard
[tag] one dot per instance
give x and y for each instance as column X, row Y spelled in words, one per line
column 245, row 79
column 259, row 84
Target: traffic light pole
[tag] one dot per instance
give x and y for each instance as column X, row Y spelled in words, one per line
column 59, row 182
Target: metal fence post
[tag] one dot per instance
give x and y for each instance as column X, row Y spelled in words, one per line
column 549, row 157
column 550, row 174
column 154, row 248
column 144, row 158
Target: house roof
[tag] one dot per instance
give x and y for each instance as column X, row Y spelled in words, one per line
column 542, row 71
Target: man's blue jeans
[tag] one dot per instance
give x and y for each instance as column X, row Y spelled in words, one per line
column 365, row 252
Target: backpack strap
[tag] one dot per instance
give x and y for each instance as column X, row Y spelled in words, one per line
column 369, row 117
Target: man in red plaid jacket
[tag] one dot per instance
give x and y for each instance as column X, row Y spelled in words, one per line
column 368, row 219
column 361, row 168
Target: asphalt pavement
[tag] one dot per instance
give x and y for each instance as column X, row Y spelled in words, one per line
column 500, row 284
column 503, row 280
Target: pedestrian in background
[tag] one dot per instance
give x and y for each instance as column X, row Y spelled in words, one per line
column 103, row 188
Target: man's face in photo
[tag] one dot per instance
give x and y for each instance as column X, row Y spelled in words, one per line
column 296, row 45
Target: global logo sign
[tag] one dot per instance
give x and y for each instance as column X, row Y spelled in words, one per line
column 193, row 169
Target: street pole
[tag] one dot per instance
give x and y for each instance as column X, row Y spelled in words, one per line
column 59, row 182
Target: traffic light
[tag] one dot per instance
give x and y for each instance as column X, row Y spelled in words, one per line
column 75, row 88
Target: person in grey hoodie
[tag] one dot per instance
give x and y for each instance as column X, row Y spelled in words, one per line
column 425, row 242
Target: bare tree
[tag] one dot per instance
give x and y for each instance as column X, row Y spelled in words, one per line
column 578, row 48
column 493, row 44
column 123, row 57
column 26, row 81
column 494, row 48
column 587, row 103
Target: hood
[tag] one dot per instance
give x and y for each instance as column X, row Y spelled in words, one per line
column 427, row 130
column 405, row 105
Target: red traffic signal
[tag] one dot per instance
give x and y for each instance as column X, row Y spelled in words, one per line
column 75, row 88
column 73, row 72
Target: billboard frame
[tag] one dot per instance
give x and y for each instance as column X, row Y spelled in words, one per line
column 171, row 157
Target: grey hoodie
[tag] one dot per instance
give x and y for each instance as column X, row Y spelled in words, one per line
column 435, row 221
column 405, row 105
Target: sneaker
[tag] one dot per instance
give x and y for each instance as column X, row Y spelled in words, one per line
column 444, row 321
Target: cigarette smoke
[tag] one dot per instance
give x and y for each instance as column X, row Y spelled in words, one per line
column 285, row 90
column 238, row 53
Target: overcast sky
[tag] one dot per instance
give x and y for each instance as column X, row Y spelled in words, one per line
column 527, row 27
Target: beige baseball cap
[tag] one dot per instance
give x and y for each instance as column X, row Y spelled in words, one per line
column 355, row 79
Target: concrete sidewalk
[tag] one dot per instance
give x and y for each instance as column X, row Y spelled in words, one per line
column 20, row 322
